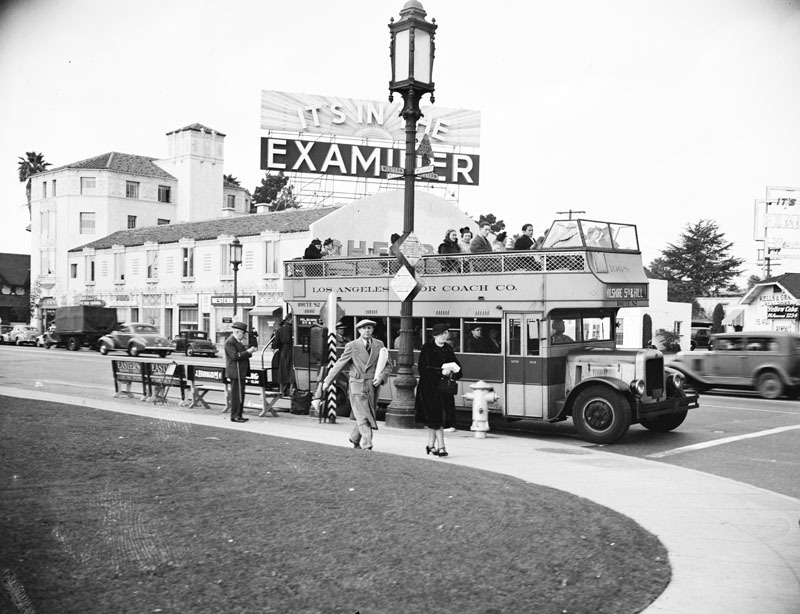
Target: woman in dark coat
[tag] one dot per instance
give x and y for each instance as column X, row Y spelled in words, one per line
column 431, row 403
column 283, row 344
column 450, row 246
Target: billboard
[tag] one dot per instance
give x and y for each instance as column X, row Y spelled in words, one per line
column 348, row 137
column 782, row 222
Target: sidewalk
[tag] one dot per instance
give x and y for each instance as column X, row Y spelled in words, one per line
column 734, row 548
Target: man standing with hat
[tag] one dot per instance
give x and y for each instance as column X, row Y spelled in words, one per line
column 364, row 382
column 237, row 367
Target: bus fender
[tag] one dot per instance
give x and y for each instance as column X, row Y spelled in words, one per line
column 610, row 382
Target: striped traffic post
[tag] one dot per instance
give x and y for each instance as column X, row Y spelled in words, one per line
column 331, row 318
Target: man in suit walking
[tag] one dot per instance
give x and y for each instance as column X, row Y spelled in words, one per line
column 237, row 367
column 364, row 382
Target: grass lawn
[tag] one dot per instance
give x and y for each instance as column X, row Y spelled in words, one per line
column 110, row 513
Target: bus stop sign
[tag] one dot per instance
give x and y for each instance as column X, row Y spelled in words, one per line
column 404, row 283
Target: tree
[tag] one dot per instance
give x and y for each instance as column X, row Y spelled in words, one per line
column 698, row 264
column 647, row 330
column 29, row 166
column 753, row 280
column 716, row 319
column 491, row 219
column 232, row 179
column 275, row 191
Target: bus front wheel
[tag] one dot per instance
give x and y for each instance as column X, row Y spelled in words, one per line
column 601, row 415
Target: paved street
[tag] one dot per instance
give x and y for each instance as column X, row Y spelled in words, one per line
column 739, row 437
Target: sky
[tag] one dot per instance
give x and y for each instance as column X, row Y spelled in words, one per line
column 656, row 113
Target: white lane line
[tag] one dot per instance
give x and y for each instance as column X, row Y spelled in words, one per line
column 766, row 411
column 724, row 440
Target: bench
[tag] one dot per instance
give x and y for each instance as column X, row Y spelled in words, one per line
column 204, row 379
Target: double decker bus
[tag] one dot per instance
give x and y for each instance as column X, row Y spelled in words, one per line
column 539, row 326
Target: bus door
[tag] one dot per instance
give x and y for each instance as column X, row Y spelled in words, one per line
column 524, row 371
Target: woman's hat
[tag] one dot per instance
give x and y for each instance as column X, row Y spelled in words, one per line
column 365, row 323
column 240, row 326
column 438, row 329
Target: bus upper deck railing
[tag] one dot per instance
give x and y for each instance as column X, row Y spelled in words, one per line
column 435, row 264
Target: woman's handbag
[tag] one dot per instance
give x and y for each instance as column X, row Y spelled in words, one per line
column 447, row 385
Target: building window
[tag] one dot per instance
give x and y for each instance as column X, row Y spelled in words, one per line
column 273, row 261
column 131, row 221
column 131, row 189
column 152, row 264
column 44, row 189
column 187, row 318
column 188, row 262
column 87, row 185
column 164, row 194
column 73, row 270
column 231, row 201
column 47, row 262
column 119, row 266
column 54, row 187
column 162, row 221
column 225, row 267
column 90, row 268
column 87, row 222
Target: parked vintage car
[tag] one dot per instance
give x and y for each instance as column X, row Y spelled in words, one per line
column 135, row 338
column 192, row 342
column 701, row 335
column 5, row 333
column 766, row 361
column 23, row 335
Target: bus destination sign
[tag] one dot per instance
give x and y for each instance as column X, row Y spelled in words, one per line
column 627, row 295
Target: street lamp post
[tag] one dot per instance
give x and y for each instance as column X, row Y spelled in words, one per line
column 236, row 260
column 411, row 51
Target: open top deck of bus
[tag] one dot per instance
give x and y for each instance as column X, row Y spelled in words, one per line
column 585, row 263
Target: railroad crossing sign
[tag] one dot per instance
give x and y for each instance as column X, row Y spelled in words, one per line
column 404, row 283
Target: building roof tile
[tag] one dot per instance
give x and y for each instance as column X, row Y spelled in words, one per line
column 292, row 220
column 120, row 163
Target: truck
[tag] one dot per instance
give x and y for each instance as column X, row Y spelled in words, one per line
column 81, row 325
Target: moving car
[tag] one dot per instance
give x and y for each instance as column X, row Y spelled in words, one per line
column 135, row 338
column 23, row 335
column 192, row 342
column 765, row 361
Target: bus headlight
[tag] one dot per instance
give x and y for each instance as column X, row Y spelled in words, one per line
column 638, row 387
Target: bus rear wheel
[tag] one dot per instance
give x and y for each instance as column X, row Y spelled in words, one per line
column 601, row 415
column 664, row 424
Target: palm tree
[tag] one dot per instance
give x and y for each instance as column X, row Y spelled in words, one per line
column 29, row 166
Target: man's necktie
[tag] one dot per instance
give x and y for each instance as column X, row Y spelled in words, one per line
column 369, row 347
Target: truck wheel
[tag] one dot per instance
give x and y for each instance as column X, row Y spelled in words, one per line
column 189, row 350
column 134, row 350
column 601, row 415
column 103, row 349
column 73, row 344
column 665, row 424
column 769, row 385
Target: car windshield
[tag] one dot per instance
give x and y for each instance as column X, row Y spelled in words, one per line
column 145, row 329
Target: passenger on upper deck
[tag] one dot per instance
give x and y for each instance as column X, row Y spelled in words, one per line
column 526, row 240
column 450, row 246
column 313, row 251
column 328, row 248
column 499, row 243
column 466, row 237
column 392, row 240
column 481, row 242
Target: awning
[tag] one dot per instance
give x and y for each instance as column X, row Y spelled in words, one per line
column 272, row 311
column 735, row 317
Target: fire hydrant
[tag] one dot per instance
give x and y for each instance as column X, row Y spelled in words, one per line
column 482, row 394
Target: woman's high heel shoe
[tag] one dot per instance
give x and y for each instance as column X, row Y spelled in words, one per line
column 441, row 452
column 428, row 450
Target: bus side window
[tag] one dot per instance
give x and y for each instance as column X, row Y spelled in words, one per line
column 533, row 337
column 514, row 337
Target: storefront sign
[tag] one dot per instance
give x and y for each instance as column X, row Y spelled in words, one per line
column 224, row 300
column 783, row 312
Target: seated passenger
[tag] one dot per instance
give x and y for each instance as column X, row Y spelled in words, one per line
column 481, row 242
column 558, row 333
column 466, row 237
column 526, row 240
column 450, row 246
column 477, row 343
column 329, row 248
column 313, row 251
column 499, row 243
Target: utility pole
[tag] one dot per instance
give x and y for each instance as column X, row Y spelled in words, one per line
column 570, row 212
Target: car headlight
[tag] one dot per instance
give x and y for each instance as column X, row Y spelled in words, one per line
column 638, row 387
column 675, row 381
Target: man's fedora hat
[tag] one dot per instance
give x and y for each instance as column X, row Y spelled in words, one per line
column 240, row 326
